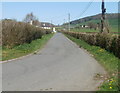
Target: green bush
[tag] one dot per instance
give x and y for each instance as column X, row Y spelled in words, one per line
column 107, row 41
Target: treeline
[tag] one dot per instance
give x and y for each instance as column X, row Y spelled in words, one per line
column 95, row 17
column 16, row 33
column 107, row 41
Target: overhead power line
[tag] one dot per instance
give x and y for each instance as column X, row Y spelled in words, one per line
column 86, row 8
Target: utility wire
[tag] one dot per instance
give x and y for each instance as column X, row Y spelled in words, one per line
column 86, row 8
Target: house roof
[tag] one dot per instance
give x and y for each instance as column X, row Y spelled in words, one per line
column 45, row 24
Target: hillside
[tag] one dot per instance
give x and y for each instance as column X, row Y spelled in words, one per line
column 95, row 17
column 111, row 19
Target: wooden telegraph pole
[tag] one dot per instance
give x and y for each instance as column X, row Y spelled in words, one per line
column 64, row 24
column 51, row 25
column 69, row 21
column 103, row 17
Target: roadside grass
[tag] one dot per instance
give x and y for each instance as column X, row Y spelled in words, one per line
column 114, row 28
column 24, row 49
column 0, row 53
column 107, row 60
column 84, row 30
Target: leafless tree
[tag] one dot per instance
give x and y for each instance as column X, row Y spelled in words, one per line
column 32, row 18
column 36, row 23
column 29, row 17
column 92, row 25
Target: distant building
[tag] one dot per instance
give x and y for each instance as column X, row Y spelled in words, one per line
column 85, row 26
column 31, row 22
column 46, row 25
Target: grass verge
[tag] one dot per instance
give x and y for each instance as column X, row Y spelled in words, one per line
column 84, row 30
column 24, row 49
column 107, row 60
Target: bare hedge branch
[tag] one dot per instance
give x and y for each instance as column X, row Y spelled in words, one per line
column 16, row 33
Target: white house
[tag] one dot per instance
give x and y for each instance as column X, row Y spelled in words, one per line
column 46, row 26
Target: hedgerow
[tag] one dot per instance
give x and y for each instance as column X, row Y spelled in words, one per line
column 107, row 41
column 16, row 33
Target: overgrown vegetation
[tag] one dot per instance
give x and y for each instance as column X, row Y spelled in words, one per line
column 17, row 33
column 108, row 60
column 24, row 49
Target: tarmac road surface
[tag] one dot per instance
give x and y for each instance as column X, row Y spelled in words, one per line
column 60, row 66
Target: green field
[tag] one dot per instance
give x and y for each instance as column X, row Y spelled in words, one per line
column 112, row 24
column 84, row 30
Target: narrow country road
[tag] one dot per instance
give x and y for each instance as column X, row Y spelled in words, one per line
column 60, row 66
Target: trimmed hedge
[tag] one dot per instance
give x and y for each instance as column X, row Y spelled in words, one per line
column 109, row 42
column 16, row 33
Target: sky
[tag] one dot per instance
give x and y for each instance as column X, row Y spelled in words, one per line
column 57, row 12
